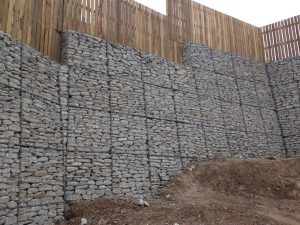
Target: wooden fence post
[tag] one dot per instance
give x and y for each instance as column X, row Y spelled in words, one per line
column 118, row 20
column 180, row 20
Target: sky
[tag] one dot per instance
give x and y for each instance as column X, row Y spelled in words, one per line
column 255, row 12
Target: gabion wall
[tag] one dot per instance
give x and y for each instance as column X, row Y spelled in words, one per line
column 285, row 81
column 240, row 89
column 31, row 150
column 115, row 121
column 135, row 119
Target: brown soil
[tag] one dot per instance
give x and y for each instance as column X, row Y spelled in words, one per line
column 265, row 192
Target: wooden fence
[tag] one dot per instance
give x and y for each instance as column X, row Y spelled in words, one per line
column 39, row 23
column 282, row 39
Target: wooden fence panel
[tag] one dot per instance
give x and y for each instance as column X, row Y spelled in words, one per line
column 224, row 32
column 281, row 40
column 39, row 23
column 33, row 22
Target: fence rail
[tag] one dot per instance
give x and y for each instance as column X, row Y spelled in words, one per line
column 40, row 22
column 282, row 39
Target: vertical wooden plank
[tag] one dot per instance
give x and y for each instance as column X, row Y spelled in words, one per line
column 25, row 17
column 22, row 28
column 258, row 41
column 113, row 33
column 5, row 15
column 297, row 29
column 278, row 39
column 16, row 19
column 111, row 21
column 203, row 24
column 162, row 53
column 1, row 13
column 132, row 24
column 285, row 38
column 138, row 26
column 42, row 33
column 107, row 18
column 104, row 18
column 96, row 19
column 34, row 23
column 88, row 16
column 10, row 16
column 50, row 28
column 1, row 10
column 37, row 16
column 65, row 15
column 294, row 34
column 45, row 25
column 72, row 18
column 53, row 45
column 60, row 17
column 114, row 19
column 101, row 17
column 118, row 21
column 81, row 16
column 92, row 15
column 46, row 15
column 285, row 52
column 75, row 16
column 32, row 35
column 267, row 41
column 292, row 37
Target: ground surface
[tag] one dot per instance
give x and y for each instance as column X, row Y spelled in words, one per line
column 265, row 192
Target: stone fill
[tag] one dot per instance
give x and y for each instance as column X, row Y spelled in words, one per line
column 112, row 120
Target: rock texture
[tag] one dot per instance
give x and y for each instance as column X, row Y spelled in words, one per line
column 285, row 81
column 115, row 121
column 31, row 152
column 238, row 111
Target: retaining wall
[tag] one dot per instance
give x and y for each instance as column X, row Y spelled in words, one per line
column 115, row 121
column 285, row 81
column 31, row 153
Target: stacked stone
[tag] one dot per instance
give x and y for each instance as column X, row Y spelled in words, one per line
column 236, row 103
column 268, row 110
column 88, row 157
column 285, row 81
column 197, row 56
column 130, row 164
column 31, row 190
column 9, row 149
column 189, row 117
column 151, row 108
column 116, row 121
column 130, row 161
column 41, row 178
column 163, row 146
column 9, row 128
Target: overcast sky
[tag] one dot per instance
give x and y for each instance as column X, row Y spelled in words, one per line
column 256, row 12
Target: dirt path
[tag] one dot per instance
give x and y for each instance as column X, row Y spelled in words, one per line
column 265, row 192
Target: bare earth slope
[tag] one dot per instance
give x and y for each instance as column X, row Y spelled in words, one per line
column 265, row 192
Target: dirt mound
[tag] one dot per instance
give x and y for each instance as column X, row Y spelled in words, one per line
column 268, row 178
column 265, row 192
